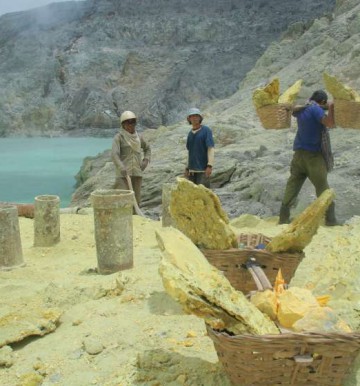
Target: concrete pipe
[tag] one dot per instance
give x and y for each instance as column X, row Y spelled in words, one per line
column 46, row 221
column 10, row 242
column 113, row 229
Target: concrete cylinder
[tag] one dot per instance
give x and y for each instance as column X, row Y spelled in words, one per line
column 113, row 229
column 46, row 221
column 10, row 242
column 166, row 219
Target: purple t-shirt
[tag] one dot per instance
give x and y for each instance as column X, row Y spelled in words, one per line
column 308, row 136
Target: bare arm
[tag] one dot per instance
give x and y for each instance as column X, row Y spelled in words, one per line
column 186, row 172
column 211, row 155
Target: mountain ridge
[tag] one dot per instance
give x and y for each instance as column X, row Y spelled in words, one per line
column 251, row 163
column 64, row 66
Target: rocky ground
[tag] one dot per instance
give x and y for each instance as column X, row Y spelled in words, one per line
column 250, row 170
column 251, row 163
column 123, row 329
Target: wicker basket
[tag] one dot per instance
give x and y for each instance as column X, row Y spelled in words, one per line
column 276, row 116
column 347, row 114
column 310, row 359
column 252, row 240
column 232, row 262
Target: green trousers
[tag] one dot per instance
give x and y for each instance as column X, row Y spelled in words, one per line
column 305, row 164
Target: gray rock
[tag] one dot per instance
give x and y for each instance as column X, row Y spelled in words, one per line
column 93, row 346
column 6, row 356
column 72, row 67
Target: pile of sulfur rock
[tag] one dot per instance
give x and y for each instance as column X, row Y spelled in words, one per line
column 270, row 94
column 203, row 290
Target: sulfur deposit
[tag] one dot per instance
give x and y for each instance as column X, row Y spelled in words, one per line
column 267, row 95
column 290, row 95
column 270, row 94
column 338, row 90
column 299, row 310
column 147, row 338
column 203, row 290
column 197, row 212
column 24, row 320
column 322, row 319
column 301, row 231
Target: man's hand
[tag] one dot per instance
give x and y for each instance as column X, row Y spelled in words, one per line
column 144, row 164
column 208, row 171
column 186, row 173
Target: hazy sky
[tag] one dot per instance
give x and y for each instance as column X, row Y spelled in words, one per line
column 7, row 6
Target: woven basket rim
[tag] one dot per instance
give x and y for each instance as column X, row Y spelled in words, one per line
column 327, row 357
column 345, row 100
column 290, row 334
column 277, row 105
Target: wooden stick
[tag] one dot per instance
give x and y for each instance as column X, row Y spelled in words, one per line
column 136, row 206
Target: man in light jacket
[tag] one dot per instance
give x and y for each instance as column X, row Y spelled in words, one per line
column 131, row 155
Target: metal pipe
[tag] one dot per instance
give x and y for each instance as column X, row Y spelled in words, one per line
column 113, row 229
column 46, row 221
column 11, row 255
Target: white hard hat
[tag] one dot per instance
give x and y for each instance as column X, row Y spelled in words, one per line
column 194, row 111
column 127, row 115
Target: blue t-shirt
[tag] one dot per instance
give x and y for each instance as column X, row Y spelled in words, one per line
column 308, row 136
column 197, row 144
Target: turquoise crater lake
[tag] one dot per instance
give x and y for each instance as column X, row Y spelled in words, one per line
column 33, row 166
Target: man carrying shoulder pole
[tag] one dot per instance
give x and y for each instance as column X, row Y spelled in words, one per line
column 309, row 159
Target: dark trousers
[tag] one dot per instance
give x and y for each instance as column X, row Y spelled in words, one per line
column 305, row 164
column 200, row 179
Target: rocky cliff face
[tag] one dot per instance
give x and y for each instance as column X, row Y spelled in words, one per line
column 252, row 164
column 66, row 66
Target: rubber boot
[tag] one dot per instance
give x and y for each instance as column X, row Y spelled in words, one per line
column 330, row 219
column 284, row 217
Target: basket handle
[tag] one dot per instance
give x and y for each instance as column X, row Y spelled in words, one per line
column 259, row 276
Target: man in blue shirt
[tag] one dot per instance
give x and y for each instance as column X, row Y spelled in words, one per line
column 308, row 160
column 200, row 145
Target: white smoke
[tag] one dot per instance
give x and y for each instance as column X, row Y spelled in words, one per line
column 23, row 5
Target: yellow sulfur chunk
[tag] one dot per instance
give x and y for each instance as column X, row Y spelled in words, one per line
column 294, row 304
column 290, row 95
column 321, row 319
column 339, row 90
column 197, row 212
column 323, row 300
column 202, row 290
column 267, row 95
column 301, row 231
column 266, row 302
column 279, row 283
